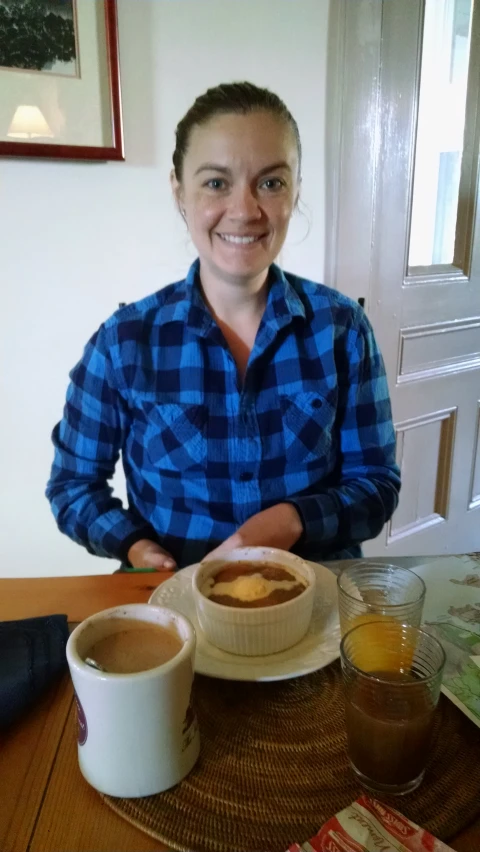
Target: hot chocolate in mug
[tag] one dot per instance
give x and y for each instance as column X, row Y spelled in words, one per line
column 137, row 731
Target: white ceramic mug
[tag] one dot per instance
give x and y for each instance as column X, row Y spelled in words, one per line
column 137, row 733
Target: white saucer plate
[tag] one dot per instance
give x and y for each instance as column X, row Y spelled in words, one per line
column 319, row 647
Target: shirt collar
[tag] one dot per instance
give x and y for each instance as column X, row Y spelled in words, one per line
column 283, row 301
column 186, row 303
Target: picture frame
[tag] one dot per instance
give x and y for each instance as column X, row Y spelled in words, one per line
column 60, row 92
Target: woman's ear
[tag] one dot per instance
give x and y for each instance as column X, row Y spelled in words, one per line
column 177, row 192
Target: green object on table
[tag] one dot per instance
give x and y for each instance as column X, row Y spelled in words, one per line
column 140, row 570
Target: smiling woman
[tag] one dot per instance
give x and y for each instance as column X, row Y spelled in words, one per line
column 236, row 179
column 239, row 213
column 250, row 405
column 238, row 188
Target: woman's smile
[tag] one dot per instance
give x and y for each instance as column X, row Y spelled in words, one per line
column 240, row 185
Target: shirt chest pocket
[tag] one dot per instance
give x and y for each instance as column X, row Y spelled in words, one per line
column 308, row 428
column 175, row 436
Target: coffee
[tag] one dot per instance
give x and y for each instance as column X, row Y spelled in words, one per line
column 389, row 727
column 134, row 646
column 253, row 584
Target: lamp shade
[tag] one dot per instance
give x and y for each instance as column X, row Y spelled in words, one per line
column 29, row 123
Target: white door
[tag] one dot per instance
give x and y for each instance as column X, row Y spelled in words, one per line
column 407, row 239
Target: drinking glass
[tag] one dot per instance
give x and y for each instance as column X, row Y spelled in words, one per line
column 372, row 591
column 392, row 675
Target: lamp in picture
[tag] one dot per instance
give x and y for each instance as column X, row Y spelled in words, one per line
column 29, row 122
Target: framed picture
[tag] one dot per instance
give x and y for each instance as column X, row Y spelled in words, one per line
column 59, row 80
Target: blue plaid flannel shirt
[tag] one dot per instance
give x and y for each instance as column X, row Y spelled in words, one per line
column 311, row 425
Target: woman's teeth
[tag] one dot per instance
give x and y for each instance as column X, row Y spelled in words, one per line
column 239, row 240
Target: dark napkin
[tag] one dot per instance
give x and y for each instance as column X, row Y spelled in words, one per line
column 32, row 657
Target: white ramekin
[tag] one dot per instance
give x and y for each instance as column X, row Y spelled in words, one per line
column 256, row 631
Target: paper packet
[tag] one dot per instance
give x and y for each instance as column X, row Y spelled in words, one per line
column 368, row 825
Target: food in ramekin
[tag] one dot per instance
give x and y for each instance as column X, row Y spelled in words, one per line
column 253, row 584
column 249, row 621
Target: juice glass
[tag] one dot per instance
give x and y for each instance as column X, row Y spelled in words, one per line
column 392, row 675
column 372, row 591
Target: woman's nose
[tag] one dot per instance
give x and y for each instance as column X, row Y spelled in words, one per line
column 244, row 205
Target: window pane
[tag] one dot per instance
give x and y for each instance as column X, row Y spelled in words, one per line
column 441, row 122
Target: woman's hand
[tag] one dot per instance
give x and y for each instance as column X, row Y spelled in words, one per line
column 279, row 526
column 147, row 554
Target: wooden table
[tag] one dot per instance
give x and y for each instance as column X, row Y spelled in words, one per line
column 45, row 804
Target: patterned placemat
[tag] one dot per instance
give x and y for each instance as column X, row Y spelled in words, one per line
column 273, row 768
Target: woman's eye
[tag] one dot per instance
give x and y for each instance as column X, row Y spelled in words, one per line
column 273, row 183
column 215, row 183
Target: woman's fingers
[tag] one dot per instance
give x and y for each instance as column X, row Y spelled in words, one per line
column 149, row 554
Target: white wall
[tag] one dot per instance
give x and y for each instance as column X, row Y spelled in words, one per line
column 76, row 238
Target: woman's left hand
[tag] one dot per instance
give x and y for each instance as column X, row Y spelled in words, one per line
column 279, row 526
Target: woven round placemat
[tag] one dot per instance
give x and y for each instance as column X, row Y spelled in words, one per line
column 273, row 768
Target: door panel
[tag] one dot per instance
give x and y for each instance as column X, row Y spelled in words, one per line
column 426, row 314
column 474, row 501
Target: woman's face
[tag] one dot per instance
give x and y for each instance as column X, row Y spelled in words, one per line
column 240, row 186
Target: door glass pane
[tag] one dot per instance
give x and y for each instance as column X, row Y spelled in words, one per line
column 441, row 122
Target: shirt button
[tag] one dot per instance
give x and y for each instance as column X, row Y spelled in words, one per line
column 316, row 403
column 246, row 476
